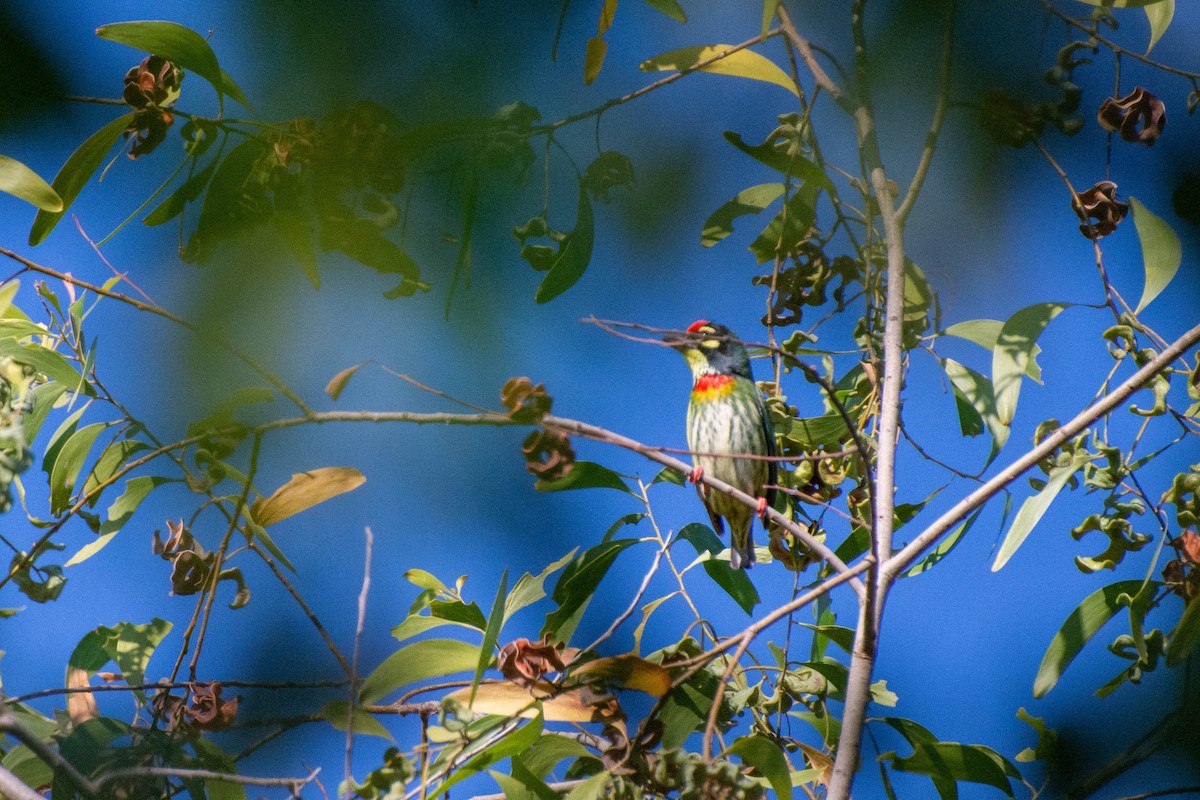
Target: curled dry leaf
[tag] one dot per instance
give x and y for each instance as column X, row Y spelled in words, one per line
column 548, row 454
column 1139, row 116
column 525, row 662
column 1099, row 209
column 524, row 401
column 208, row 711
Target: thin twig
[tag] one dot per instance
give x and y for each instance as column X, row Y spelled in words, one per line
column 295, row 784
column 359, row 624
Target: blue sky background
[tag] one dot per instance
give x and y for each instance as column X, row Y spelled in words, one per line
column 993, row 232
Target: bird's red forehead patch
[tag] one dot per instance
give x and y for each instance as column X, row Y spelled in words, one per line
column 696, row 326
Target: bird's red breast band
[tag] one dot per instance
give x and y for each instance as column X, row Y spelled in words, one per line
column 711, row 386
column 696, row 326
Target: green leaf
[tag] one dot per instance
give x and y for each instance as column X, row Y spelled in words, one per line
column 768, row 759
column 491, row 635
column 297, row 233
column 985, row 333
column 574, row 253
column 417, row 662
column 337, row 713
column 225, row 210
column 962, row 762
column 112, row 459
column 47, row 362
column 976, row 404
column 1047, row 739
column 1161, row 252
column 742, row 64
column 303, row 491
column 1080, row 626
column 70, row 180
column 1159, row 15
column 585, row 475
column 187, row 192
column 786, row 161
column 178, row 44
column 1120, row 3
column 23, row 183
column 944, row 547
column 1033, row 508
column 591, row 789
column 669, row 7
column 812, row 433
column 1014, row 350
column 841, row 636
column 1185, row 636
column 44, row 397
column 548, row 750
column 530, row 588
column 735, row 582
column 593, row 58
column 748, row 201
column 768, row 15
column 513, row 744
column 69, row 461
column 575, row 586
column 128, row 645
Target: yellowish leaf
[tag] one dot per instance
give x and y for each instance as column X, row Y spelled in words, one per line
column 304, row 491
column 628, row 671
column 742, row 64
column 509, row 699
column 338, row 382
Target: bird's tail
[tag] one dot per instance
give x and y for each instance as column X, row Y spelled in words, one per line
column 741, row 553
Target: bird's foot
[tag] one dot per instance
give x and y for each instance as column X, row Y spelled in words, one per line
column 762, row 509
column 697, row 474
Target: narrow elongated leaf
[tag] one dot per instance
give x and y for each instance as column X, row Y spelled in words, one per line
column 593, row 58
column 976, row 404
column 176, row 43
column 577, row 584
column 1033, row 508
column 550, row 749
column 337, row 384
column 669, row 7
column 44, row 397
column 492, row 633
column 934, row 556
column 963, row 762
column 69, row 462
column 768, row 759
column 417, row 662
column 1185, row 636
column 742, row 64
column 22, row 182
column 506, row 699
column 768, row 15
column 1120, row 3
column 188, row 191
column 784, row 159
column 1161, row 252
column 1080, row 626
column 628, row 672
column 112, row 459
column 985, row 333
column 585, row 475
column 45, row 361
column 735, row 582
column 75, row 174
column 1014, row 349
column 574, row 253
column 516, row 742
column 303, row 491
column 748, row 201
column 337, row 713
column 530, row 588
column 1159, row 15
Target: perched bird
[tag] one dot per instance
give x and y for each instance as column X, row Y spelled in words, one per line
column 726, row 417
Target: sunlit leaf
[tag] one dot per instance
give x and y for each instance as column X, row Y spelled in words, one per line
column 985, row 333
column 575, row 251
column 786, row 160
column 337, row 384
column 550, row 749
column 585, row 475
column 491, row 634
column 530, row 588
column 22, row 182
column 128, row 645
column 1161, row 252
column 628, row 672
column 768, row 759
column 1080, row 626
column 112, row 459
column 47, row 362
column 43, row 399
column 742, row 64
column 1033, row 508
column 962, row 762
column 748, row 201
column 1014, row 350
column 576, row 585
column 579, row 704
column 1159, row 15
column 303, row 491
column 417, row 662
column 976, row 404
column 1047, row 739
column 75, row 174
column 337, row 713
column 69, row 462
